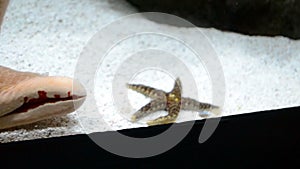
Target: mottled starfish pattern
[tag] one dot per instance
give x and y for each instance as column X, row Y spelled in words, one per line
column 172, row 102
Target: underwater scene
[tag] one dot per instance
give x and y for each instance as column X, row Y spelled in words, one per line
column 78, row 67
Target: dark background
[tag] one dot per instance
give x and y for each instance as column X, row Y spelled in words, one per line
column 266, row 139
column 251, row 17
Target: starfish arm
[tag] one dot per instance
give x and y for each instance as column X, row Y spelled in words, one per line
column 177, row 87
column 173, row 112
column 147, row 91
column 194, row 105
column 153, row 106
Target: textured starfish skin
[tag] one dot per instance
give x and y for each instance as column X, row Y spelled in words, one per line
column 172, row 102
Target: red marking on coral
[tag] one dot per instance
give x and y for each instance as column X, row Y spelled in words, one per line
column 41, row 100
column 42, row 95
column 25, row 99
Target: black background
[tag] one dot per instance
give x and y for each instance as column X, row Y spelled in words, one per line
column 256, row 140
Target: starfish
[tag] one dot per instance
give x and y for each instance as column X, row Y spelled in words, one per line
column 27, row 97
column 3, row 5
column 172, row 102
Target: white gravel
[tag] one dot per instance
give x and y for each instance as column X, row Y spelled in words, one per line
column 261, row 73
